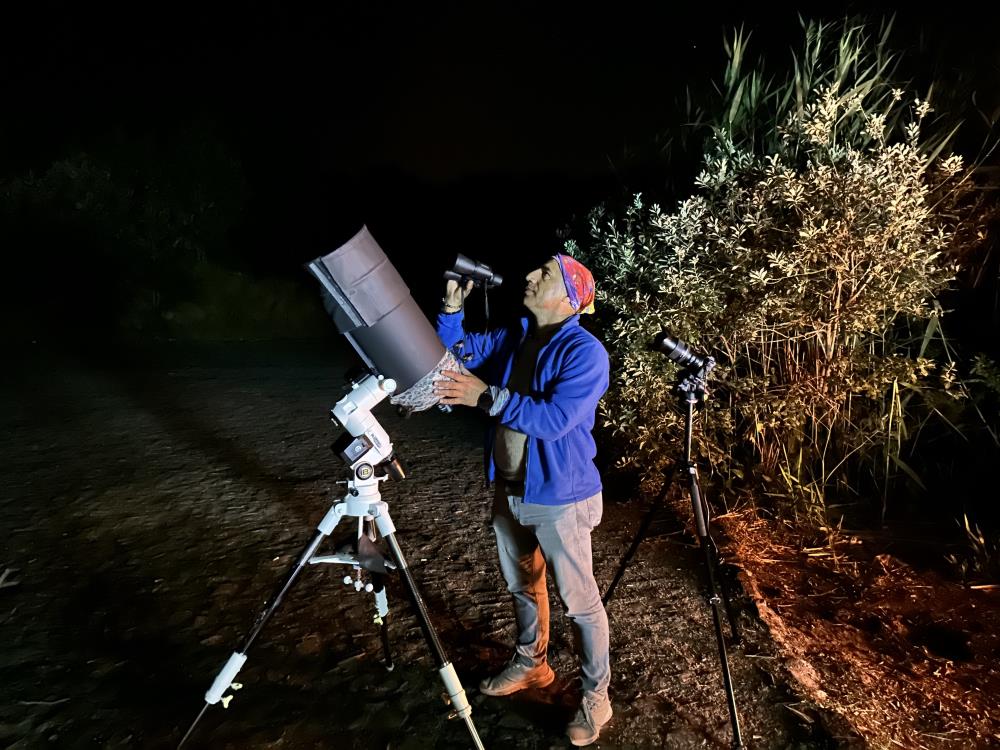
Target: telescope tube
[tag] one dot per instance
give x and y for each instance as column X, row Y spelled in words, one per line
column 371, row 305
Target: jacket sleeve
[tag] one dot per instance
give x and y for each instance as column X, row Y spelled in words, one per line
column 476, row 347
column 578, row 386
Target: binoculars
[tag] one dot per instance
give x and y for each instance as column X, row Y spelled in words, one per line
column 466, row 269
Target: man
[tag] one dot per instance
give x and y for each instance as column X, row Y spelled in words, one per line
column 541, row 380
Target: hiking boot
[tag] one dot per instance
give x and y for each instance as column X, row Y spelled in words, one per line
column 594, row 713
column 515, row 676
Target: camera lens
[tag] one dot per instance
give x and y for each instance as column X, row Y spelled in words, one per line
column 677, row 351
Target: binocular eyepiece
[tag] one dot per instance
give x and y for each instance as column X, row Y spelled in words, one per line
column 466, row 269
column 677, row 351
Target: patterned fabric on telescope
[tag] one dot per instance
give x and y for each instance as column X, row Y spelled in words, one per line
column 420, row 395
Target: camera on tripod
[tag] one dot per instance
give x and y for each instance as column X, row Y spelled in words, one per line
column 465, row 269
column 677, row 351
column 691, row 389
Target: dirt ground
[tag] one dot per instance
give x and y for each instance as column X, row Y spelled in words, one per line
column 901, row 654
column 151, row 505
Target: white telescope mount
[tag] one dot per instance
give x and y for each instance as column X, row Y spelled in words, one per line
column 367, row 449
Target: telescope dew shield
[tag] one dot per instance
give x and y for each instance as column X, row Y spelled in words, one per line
column 371, row 305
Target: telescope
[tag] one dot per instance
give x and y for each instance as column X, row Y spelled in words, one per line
column 373, row 309
column 371, row 306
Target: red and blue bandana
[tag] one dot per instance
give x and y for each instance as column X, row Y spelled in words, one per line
column 579, row 283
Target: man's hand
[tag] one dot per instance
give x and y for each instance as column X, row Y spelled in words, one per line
column 454, row 295
column 462, row 388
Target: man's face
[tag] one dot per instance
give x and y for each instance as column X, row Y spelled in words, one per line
column 545, row 289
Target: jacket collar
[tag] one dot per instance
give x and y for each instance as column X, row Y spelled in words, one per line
column 572, row 321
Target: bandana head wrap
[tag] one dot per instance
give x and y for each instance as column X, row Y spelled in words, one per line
column 579, row 283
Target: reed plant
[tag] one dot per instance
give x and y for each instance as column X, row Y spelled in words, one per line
column 826, row 220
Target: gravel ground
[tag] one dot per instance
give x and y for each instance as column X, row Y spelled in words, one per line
column 151, row 506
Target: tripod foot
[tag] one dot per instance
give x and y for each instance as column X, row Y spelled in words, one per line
column 458, row 699
column 456, row 693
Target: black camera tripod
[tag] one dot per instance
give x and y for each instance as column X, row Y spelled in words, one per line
column 690, row 389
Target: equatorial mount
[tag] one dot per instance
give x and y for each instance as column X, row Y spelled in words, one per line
column 368, row 451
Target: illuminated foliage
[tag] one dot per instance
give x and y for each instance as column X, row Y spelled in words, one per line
column 801, row 263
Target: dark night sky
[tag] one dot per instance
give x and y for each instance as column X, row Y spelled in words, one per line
column 447, row 127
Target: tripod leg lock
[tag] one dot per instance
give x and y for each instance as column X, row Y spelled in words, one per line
column 456, row 693
column 224, row 679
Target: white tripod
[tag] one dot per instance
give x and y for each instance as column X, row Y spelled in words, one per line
column 366, row 447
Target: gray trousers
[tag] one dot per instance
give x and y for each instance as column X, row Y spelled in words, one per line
column 532, row 538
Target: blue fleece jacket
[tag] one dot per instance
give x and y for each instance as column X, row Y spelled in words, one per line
column 557, row 416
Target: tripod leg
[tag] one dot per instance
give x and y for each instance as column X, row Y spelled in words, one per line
column 456, row 693
column 706, row 544
column 640, row 535
column 717, row 557
column 224, row 680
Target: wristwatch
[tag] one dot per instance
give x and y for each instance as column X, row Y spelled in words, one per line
column 486, row 400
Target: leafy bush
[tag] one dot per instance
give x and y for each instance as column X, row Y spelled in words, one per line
column 824, row 225
column 226, row 305
column 111, row 241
